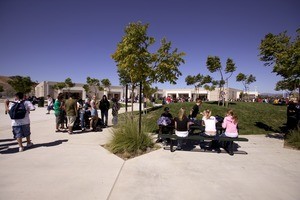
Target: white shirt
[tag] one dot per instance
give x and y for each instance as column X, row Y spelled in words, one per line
column 25, row 120
column 210, row 124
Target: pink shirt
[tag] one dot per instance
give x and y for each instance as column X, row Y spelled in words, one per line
column 230, row 126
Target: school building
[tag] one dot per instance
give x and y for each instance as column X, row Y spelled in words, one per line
column 46, row 87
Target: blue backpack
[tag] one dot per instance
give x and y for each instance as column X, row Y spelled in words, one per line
column 18, row 110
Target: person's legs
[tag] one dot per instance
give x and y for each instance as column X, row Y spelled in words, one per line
column 106, row 117
column 102, row 116
column 19, row 140
column 82, row 120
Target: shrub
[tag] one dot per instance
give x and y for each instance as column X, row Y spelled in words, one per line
column 293, row 138
column 126, row 139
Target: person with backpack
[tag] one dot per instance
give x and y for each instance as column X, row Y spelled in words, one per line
column 19, row 113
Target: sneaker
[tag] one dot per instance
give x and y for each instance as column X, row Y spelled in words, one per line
column 29, row 145
column 21, row 149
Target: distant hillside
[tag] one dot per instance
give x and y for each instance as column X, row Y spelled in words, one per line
column 8, row 90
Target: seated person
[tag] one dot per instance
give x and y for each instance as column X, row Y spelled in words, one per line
column 210, row 123
column 94, row 115
column 181, row 126
column 210, row 129
column 165, row 123
column 230, row 124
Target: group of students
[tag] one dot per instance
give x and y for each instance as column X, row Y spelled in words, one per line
column 183, row 122
column 83, row 112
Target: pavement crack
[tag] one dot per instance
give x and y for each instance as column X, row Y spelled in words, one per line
column 113, row 186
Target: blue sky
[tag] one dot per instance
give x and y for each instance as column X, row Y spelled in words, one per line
column 56, row 39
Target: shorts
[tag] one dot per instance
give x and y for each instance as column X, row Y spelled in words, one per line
column 21, row 131
column 71, row 120
column 59, row 119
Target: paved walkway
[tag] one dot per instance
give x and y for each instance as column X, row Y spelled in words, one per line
column 62, row 166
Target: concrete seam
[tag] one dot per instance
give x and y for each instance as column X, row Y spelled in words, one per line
column 113, row 186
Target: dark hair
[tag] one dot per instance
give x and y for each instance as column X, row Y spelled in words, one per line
column 167, row 109
column 20, row 95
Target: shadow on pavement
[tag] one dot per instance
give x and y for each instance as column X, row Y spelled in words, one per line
column 16, row 149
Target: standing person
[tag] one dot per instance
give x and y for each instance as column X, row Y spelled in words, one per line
column 83, row 113
column 49, row 104
column 58, row 112
column 181, row 126
column 115, row 110
column 230, row 124
column 291, row 116
column 195, row 110
column 94, row 114
column 21, row 127
column 104, row 107
column 71, row 112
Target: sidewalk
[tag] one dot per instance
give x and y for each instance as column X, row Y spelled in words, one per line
column 62, row 166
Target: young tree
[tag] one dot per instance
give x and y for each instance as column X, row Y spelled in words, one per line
column 246, row 80
column 283, row 53
column 21, row 84
column 137, row 65
column 94, row 84
column 200, row 80
column 106, row 84
column 69, row 83
column 214, row 64
column 59, row 86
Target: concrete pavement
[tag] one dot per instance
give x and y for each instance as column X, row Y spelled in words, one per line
column 62, row 166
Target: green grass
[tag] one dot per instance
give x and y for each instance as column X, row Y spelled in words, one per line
column 293, row 139
column 254, row 118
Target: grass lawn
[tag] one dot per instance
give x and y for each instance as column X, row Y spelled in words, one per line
column 254, row 118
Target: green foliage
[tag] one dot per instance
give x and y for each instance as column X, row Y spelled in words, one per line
column 86, row 87
column 93, row 83
column 21, row 84
column 69, row 83
column 106, row 83
column 59, row 85
column 136, row 64
column 245, row 79
column 293, row 138
column 126, row 139
column 148, row 91
column 283, row 54
column 1, row 88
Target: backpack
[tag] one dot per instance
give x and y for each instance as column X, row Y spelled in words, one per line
column 18, row 110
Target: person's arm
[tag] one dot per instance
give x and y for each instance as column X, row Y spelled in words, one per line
column 6, row 106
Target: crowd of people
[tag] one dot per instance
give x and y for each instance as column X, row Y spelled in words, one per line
column 182, row 122
column 84, row 115
column 70, row 114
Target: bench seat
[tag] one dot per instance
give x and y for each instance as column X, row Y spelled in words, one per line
column 230, row 141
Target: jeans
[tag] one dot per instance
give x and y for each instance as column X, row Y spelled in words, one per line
column 82, row 119
column 104, row 113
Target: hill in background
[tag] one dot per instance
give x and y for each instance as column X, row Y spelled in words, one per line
column 8, row 90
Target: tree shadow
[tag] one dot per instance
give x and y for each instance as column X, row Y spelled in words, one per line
column 16, row 149
column 7, row 140
column 264, row 126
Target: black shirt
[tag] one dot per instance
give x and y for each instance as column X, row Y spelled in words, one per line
column 195, row 111
column 183, row 124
